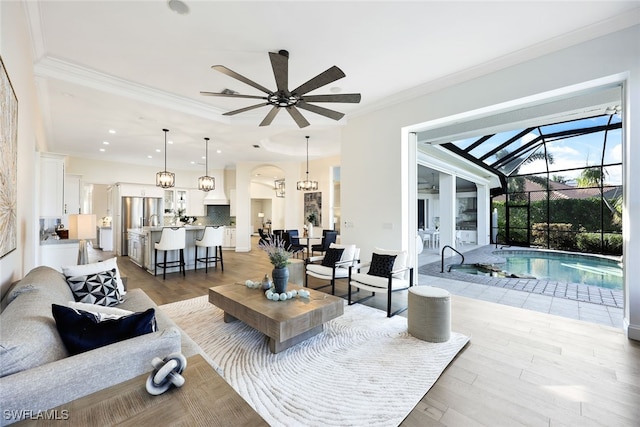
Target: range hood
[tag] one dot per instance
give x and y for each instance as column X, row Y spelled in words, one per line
column 218, row 195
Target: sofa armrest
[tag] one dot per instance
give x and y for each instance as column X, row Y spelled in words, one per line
column 62, row 381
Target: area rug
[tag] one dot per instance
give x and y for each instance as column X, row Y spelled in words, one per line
column 364, row 369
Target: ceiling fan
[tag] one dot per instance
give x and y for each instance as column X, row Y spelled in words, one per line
column 290, row 100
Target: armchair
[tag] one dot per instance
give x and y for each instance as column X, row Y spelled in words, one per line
column 386, row 273
column 330, row 267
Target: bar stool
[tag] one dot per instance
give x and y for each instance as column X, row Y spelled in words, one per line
column 212, row 237
column 171, row 239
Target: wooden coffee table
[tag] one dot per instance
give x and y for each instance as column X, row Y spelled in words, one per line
column 286, row 323
column 205, row 399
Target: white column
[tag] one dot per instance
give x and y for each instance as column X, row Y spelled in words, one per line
column 483, row 215
column 447, row 210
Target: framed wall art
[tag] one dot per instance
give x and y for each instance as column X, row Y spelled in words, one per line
column 8, row 163
column 313, row 205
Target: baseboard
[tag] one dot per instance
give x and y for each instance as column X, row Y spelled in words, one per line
column 633, row 331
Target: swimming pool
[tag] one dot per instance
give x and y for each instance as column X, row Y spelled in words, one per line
column 565, row 267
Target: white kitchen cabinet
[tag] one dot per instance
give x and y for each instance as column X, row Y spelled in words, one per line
column 59, row 254
column 72, row 194
column 51, row 186
column 229, row 240
column 196, row 206
column 174, row 200
column 106, row 238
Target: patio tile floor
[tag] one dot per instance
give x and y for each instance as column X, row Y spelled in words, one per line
column 576, row 301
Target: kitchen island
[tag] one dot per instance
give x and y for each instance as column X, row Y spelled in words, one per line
column 142, row 243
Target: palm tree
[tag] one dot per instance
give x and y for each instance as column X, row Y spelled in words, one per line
column 591, row 177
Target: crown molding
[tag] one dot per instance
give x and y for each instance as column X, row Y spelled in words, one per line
column 49, row 67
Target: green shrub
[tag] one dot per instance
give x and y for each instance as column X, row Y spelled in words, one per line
column 590, row 243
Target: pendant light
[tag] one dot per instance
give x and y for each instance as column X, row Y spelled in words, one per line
column 307, row 185
column 206, row 182
column 165, row 179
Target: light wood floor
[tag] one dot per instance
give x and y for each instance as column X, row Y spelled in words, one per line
column 521, row 368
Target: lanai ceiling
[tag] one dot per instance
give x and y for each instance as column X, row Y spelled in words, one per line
column 138, row 66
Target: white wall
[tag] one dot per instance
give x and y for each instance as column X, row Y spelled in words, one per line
column 15, row 49
column 372, row 177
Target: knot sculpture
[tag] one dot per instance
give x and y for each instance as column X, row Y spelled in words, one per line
column 167, row 372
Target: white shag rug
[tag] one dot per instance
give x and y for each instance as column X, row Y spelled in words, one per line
column 364, row 369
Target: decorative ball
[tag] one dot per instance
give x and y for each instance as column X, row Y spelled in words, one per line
column 248, row 283
column 283, row 296
column 289, row 295
column 275, row 296
column 294, row 292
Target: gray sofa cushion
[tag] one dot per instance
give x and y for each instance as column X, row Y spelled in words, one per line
column 28, row 334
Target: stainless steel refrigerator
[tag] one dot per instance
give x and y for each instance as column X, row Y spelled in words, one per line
column 138, row 212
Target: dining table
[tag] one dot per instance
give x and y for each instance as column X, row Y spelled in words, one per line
column 307, row 241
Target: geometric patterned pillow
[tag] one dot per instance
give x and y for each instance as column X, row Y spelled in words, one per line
column 381, row 265
column 100, row 288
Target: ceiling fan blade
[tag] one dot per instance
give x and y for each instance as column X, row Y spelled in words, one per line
column 270, row 116
column 242, row 110
column 243, row 79
column 339, row 97
column 335, row 115
column 298, row 117
column 331, row 75
column 232, row 95
column 280, row 65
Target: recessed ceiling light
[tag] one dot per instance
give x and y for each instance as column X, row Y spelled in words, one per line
column 112, row 131
column 105, row 142
column 170, row 142
column 218, row 151
column 192, row 162
column 158, row 150
column 203, row 158
column 102, row 150
column 149, row 157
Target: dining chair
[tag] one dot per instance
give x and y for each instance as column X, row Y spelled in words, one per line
column 328, row 237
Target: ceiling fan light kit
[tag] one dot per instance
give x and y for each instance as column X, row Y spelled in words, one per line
column 307, row 185
column 164, row 178
column 290, row 100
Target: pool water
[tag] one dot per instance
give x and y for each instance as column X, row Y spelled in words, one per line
column 583, row 269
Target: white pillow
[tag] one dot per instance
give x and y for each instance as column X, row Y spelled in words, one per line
column 400, row 262
column 94, row 308
column 97, row 267
column 348, row 253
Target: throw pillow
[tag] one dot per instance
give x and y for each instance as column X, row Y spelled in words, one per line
column 381, row 265
column 349, row 251
column 83, row 331
column 100, row 288
column 401, row 261
column 98, row 309
column 96, row 267
column 331, row 256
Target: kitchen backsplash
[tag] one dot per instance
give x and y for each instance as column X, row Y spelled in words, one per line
column 216, row 215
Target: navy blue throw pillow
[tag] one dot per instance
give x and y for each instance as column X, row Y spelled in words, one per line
column 381, row 265
column 83, row 330
column 331, row 256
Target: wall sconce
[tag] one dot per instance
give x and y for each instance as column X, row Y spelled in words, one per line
column 278, row 186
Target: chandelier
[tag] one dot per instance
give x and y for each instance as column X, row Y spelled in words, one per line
column 165, row 179
column 206, row 182
column 307, row 185
column 278, row 185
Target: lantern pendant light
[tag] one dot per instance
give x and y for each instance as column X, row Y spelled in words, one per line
column 206, row 182
column 165, row 179
column 307, row 185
